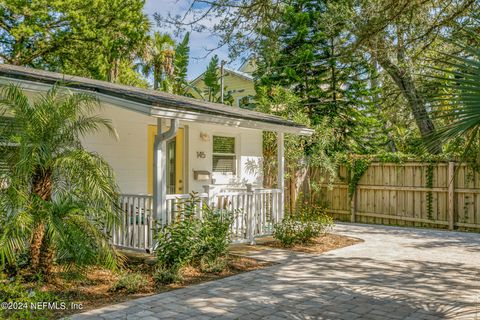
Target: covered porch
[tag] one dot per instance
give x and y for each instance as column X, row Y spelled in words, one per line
column 147, row 122
column 255, row 209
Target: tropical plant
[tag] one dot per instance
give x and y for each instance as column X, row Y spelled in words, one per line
column 158, row 60
column 212, row 80
column 57, row 200
column 459, row 107
column 212, row 91
column 180, row 83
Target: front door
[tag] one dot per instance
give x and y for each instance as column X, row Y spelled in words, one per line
column 174, row 158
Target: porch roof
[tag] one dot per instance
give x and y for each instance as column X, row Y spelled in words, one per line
column 153, row 103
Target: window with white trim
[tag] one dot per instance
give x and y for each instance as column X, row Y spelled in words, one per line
column 224, row 157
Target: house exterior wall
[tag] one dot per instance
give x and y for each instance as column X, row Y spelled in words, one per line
column 128, row 155
column 248, row 149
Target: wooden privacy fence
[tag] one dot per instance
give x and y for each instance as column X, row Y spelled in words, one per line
column 442, row 195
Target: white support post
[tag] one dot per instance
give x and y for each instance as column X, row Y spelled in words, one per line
column 159, row 176
column 160, row 170
column 281, row 175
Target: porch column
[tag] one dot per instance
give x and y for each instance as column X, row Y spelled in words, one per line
column 160, row 169
column 281, row 174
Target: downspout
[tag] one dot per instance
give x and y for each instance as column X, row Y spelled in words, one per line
column 160, row 169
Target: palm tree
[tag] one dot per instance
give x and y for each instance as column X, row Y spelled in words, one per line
column 459, row 107
column 58, row 200
column 158, row 58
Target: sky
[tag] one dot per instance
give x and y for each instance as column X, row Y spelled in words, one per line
column 199, row 42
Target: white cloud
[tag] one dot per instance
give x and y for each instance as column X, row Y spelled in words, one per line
column 200, row 42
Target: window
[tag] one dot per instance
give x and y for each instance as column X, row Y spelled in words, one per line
column 224, row 158
column 246, row 102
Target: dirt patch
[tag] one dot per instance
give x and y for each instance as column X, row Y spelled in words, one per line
column 327, row 242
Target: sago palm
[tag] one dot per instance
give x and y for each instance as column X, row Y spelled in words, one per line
column 57, row 200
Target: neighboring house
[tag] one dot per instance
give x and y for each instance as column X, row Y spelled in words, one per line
column 239, row 83
column 204, row 147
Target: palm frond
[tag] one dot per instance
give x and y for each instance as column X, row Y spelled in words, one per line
column 459, row 105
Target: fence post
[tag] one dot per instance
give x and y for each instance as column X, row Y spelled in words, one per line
column 451, row 195
column 353, row 202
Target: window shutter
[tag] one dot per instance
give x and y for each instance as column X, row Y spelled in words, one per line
column 224, row 164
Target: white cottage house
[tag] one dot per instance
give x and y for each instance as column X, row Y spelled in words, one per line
column 212, row 149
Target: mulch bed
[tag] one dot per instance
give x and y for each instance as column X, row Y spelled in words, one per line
column 327, row 242
column 93, row 289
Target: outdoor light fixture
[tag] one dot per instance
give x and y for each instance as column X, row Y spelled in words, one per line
column 204, row 136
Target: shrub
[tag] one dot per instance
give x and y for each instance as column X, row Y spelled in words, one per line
column 213, row 235
column 167, row 276
column 303, row 227
column 213, row 264
column 177, row 242
column 131, row 282
column 14, row 291
column 190, row 240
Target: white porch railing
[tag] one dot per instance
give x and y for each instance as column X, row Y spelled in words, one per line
column 254, row 213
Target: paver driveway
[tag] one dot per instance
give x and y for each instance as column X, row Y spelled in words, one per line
column 397, row 273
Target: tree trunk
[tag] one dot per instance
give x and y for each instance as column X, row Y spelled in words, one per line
column 47, row 253
column 40, row 253
column 376, row 100
column 404, row 81
column 114, row 70
column 36, row 245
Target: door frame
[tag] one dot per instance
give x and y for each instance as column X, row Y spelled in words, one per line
column 180, row 159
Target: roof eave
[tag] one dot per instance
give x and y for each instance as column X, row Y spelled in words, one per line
column 170, row 113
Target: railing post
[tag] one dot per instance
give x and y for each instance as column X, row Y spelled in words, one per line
column 251, row 214
column 210, row 199
column 451, row 195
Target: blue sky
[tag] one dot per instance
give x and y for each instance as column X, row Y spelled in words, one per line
column 199, row 42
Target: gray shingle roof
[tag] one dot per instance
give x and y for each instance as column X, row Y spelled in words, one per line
column 155, row 99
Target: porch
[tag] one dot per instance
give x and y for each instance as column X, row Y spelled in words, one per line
column 254, row 210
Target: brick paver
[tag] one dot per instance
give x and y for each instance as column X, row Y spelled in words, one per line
column 397, row 273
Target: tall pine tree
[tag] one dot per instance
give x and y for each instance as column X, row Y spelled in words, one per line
column 310, row 55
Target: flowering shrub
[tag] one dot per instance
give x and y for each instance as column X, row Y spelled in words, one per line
column 302, row 227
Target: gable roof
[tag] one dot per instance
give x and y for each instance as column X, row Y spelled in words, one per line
column 152, row 102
